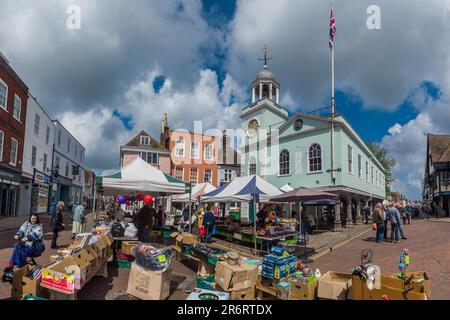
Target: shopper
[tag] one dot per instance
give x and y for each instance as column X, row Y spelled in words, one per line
column 400, row 225
column 144, row 221
column 209, row 222
column 184, row 221
column 56, row 223
column 160, row 217
column 386, row 219
column 392, row 214
column 79, row 218
column 378, row 221
column 403, row 214
column 30, row 244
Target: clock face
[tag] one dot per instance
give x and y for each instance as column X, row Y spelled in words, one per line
column 298, row 124
column 253, row 127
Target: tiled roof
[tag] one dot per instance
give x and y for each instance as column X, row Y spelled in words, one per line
column 439, row 147
column 136, row 141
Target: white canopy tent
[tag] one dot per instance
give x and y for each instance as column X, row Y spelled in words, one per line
column 197, row 191
column 141, row 176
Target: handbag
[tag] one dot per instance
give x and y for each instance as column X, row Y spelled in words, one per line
column 374, row 226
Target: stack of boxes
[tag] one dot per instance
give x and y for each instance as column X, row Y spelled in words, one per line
column 279, row 264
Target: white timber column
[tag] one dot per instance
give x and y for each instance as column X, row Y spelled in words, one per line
column 337, row 217
column 260, row 90
column 271, row 91
column 253, row 95
column 278, row 95
column 349, row 212
column 358, row 211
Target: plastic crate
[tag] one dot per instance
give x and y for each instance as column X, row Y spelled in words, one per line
column 206, row 283
column 123, row 264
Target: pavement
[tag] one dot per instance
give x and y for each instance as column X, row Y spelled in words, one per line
column 337, row 251
column 428, row 245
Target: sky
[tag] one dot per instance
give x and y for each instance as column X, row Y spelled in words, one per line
column 132, row 61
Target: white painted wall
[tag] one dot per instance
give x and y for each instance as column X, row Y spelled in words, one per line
column 75, row 156
column 37, row 140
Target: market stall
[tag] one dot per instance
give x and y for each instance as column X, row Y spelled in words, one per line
column 249, row 191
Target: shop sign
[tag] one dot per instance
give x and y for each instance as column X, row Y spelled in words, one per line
column 9, row 175
column 41, row 178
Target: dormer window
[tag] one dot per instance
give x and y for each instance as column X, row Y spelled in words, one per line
column 145, row 140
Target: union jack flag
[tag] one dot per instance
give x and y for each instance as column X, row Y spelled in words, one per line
column 332, row 29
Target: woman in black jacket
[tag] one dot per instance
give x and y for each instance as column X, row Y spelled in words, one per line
column 57, row 223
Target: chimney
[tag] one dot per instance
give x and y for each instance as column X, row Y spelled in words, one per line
column 164, row 138
column 224, row 146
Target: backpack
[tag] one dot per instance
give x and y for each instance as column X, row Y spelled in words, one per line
column 117, row 230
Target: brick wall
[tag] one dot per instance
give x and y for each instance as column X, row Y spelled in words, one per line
column 11, row 127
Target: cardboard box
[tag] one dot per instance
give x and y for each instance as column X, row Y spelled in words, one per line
column 22, row 285
column 334, row 286
column 102, row 246
column 236, row 277
column 303, row 291
column 148, row 285
column 246, row 294
column 127, row 247
column 393, row 288
column 66, row 276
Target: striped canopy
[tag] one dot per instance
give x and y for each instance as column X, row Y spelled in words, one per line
column 243, row 189
column 141, row 176
column 197, row 191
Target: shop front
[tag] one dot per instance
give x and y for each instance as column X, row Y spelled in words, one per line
column 9, row 192
column 40, row 192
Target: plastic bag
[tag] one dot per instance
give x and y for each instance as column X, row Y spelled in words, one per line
column 152, row 258
column 131, row 231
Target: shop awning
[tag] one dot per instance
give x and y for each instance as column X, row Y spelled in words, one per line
column 242, row 189
column 141, row 176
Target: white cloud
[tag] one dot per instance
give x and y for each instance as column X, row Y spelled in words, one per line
column 380, row 65
column 204, row 101
column 407, row 143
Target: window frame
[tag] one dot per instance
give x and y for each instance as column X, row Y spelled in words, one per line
column 177, row 149
column 206, row 150
column 5, row 107
column 198, row 150
column 359, row 166
column 16, row 151
column 280, row 163
column 320, row 157
column 14, row 107
column 251, row 162
column 45, row 160
column 38, row 118
column 190, row 176
column 2, row 144
column 145, row 138
column 350, row 161
column 33, row 153
column 367, row 172
column 210, row 176
column 47, row 135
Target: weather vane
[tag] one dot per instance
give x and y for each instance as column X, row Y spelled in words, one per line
column 267, row 56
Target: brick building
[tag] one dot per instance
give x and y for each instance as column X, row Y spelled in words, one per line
column 13, row 108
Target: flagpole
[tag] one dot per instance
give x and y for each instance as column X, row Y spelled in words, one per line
column 332, row 115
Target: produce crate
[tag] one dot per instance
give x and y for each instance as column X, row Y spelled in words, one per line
column 187, row 250
column 167, row 234
column 30, row 297
column 123, row 264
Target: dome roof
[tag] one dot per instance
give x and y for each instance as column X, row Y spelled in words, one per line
column 266, row 75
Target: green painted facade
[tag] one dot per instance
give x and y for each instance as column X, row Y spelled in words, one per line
column 277, row 130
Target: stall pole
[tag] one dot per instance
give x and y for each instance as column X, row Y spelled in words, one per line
column 254, row 221
column 190, row 208
column 94, row 203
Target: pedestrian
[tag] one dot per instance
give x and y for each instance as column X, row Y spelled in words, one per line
column 378, row 221
column 56, row 223
column 79, row 218
column 400, row 225
column 144, row 221
column 30, row 243
column 209, row 223
column 160, row 217
column 435, row 211
column 402, row 213
column 385, row 219
column 366, row 214
column 409, row 213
